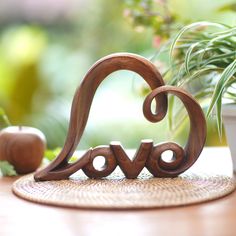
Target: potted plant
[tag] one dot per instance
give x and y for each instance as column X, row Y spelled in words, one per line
column 203, row 60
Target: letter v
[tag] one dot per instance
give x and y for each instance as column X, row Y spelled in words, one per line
column 132, row 168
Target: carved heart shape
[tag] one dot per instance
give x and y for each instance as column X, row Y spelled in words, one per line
column 148, row 156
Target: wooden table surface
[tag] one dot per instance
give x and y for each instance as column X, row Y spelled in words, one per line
column 19, row 217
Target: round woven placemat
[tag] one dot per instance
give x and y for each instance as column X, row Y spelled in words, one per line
column 116, row 192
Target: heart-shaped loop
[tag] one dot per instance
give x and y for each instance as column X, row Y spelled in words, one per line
column 60, row 168
column 196, row 140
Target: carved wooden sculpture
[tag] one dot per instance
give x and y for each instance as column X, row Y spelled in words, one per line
column 148, row 155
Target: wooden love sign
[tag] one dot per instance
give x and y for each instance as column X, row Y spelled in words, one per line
column 148, row 155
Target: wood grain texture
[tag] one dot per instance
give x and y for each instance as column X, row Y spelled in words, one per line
column 60, row 168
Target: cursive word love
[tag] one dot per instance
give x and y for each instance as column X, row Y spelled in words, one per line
column 147, row 155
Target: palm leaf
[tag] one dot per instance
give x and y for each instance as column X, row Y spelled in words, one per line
column 170, row 111
column 224, row 78
column 218, row 114
column 191, row 27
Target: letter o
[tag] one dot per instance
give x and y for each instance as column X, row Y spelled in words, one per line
column 107, row 169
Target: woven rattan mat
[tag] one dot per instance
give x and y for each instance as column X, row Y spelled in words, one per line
column 117, row 192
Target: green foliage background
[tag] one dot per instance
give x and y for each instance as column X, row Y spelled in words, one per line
column 41, row 63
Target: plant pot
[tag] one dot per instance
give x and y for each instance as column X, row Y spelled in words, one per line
column 229, row 119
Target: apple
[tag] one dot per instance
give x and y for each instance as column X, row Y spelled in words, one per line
column 23, row 147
